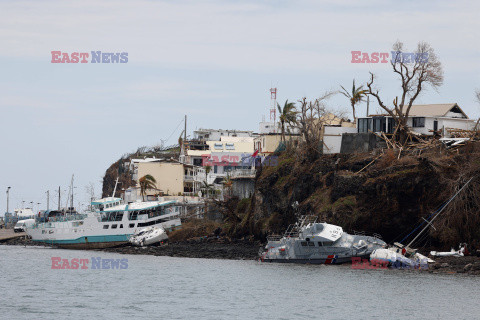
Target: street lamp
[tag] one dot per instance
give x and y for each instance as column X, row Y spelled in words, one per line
column 8, row 196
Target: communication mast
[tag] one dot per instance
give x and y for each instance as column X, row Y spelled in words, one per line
column 273, row 108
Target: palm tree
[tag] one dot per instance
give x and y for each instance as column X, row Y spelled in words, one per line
column 208, row 168
column 228, row 184
column 288, row 115
column 147, row 182
column 355, row 97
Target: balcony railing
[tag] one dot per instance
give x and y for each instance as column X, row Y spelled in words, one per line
column 242, row 173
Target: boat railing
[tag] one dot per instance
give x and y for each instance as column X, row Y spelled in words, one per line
column 294, row 230
column 367, row 234
column 274, row 237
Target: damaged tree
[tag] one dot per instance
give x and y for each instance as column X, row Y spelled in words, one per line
column 311, row 117
column 415, row 72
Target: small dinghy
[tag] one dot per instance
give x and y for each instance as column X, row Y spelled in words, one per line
column 148, row 236
column 452, row 253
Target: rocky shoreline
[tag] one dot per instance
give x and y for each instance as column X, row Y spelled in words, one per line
column 196, row 248
column 211, row 248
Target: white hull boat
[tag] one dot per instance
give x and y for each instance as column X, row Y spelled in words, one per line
column 319, row 243
column 148, row 236
column 112, row 223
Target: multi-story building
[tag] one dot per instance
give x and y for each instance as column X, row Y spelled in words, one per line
column 173, row 178
column 427, row 119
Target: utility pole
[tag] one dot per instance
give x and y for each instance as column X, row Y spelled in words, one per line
column 368, row 104
column 48, row 200
column 8, row 196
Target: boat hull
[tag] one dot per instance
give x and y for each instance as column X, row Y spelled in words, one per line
column 341, row 260
column 90, row 242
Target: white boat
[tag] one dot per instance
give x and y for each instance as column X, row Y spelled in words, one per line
column 393, row 257
column 148, row 236
column 452, row 253
column 406, row 256
column 111, row 223
column 319, row 243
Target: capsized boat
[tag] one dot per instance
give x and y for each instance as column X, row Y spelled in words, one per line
column 406, row 256
column 309, row 241
column 397, row 256
column 148, row 236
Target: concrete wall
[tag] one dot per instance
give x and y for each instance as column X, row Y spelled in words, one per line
column 243, row 188
column 358, row 142
column 332, row 138
column 269, row 143
column 169, row 176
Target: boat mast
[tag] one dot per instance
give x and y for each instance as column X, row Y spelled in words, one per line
column 115, row 189
column 71, row 188
column 429, row 223
column 58, row 198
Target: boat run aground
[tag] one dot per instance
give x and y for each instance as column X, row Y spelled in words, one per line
column 110, row 223
column 308, row 241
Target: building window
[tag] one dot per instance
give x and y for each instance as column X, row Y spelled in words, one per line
column 391, row 125
column 229, row 146
column 218, row 146
column 379, row 124
column 418, row 122
column 364, row 125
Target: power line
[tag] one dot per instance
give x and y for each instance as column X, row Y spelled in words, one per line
column 181, row 121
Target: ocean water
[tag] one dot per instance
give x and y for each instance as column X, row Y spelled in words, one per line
column 183, row 288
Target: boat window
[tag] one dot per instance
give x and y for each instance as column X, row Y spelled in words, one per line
column 121, row 226
column 131, row 225
column 114, row 226
column 133, row 215
column 311, row 244
column 304, row 243
column 105, row 226
column 319, row 244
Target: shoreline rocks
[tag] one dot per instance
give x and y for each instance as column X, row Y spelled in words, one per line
column 220, row 248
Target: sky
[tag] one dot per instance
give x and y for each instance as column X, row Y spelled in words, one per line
column 213, row 61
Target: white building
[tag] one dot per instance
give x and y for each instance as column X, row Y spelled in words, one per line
column 424, row 119
column 224, row 156
column 217, row 134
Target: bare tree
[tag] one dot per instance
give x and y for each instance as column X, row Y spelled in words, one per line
column 415, row 72
column 311, row 118
column 478, row 95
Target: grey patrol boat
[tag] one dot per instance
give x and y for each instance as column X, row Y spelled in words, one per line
column 308, row 241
